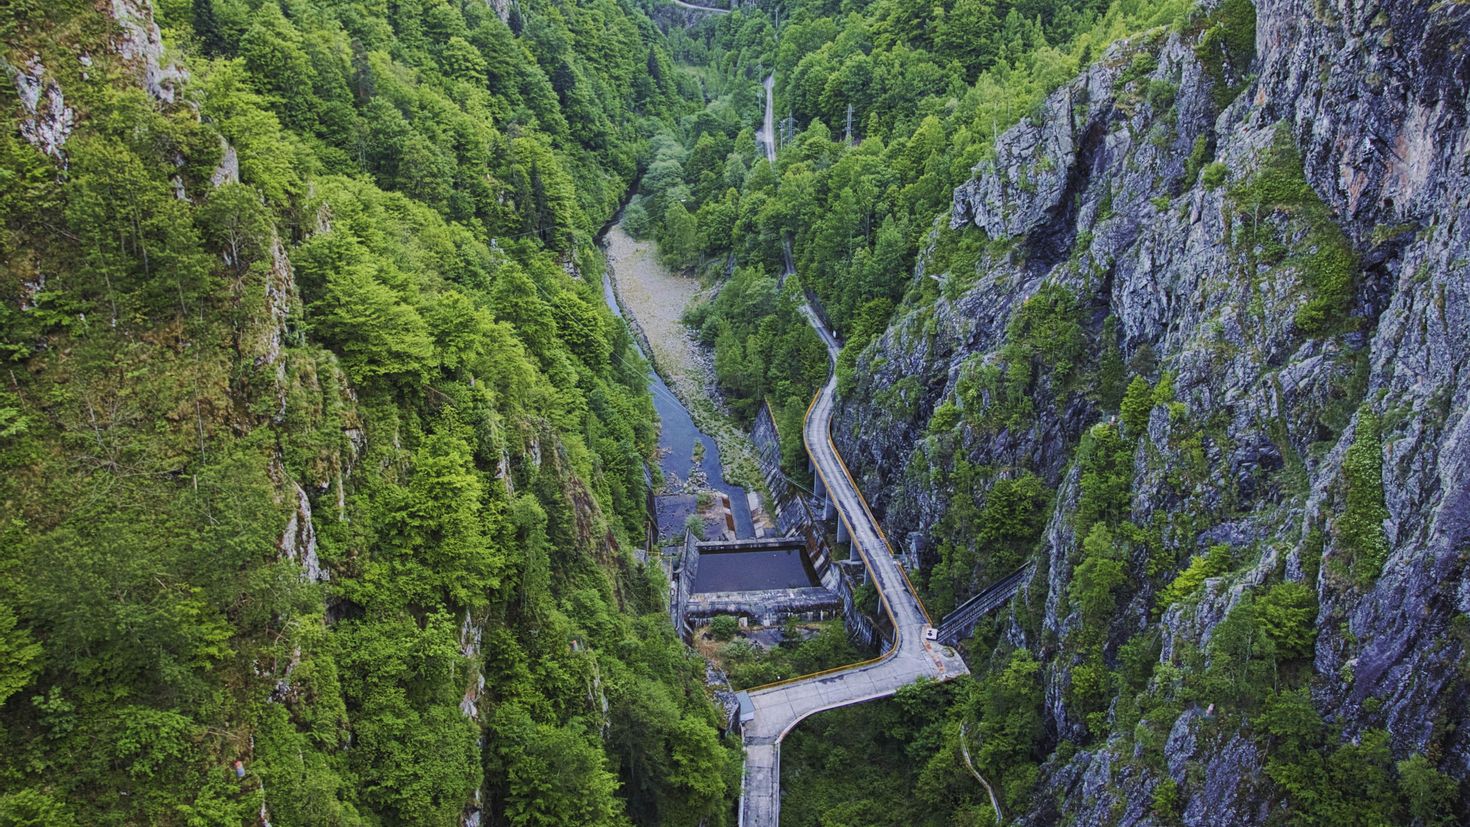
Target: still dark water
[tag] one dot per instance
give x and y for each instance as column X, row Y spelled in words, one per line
column 750, row 570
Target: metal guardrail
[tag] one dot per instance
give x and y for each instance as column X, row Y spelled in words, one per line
column 883, row 599
column 795, row 517
column 962, row 620
column 882, row 596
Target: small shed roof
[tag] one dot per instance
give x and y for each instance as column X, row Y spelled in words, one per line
column 747, row 709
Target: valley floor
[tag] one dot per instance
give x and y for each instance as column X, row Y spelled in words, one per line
column 655, row 298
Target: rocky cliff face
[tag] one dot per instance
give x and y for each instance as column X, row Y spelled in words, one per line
column 1291, row 327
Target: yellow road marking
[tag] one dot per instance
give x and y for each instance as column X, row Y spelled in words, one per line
column 868, row 564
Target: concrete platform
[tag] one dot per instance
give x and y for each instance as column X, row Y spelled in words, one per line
column 768, row 607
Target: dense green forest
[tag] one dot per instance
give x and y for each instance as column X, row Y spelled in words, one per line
column 323, row 464
column 883, row 108
column 318, row 449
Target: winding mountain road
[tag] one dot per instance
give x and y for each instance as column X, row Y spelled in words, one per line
column 780, row 707
column 692, row 7
column 766, row 137
column 777, row 708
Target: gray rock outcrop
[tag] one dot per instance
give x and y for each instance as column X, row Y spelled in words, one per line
column 1102, row 193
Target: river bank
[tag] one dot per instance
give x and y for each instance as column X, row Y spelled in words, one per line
column 653, row 300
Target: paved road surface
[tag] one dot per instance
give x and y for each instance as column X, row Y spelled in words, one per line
column 779, row 708
column 766, row 137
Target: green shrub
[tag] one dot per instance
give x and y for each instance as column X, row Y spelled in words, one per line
column 1197, row 155
column 1429, row 793
column 1359, row 529
column 1287, row 613
column 957, row 252
column 1010, row 723
column 1161, row 93
column 1164, row 390
column 1213, row 175
column 636, row 221
column 694, row 525
column 979, row 543
column 1044, row 337
column 1217, row 561
column 1242, row 663
column 1088, row 693
column 1111, row 369
column 748, row 665
column 1227, row 46
column 1335, row 784
column 20, row 655
column 1290, row 718
column 1330, row 267
column 1106, row 464
column 1165, row 803
column 1144, row 63
column 1326, row 259
column 990, row 401
column 1137, row 658
column 944, row 419
column 1047, row 332
column 1099, row 574
column 724, row 627
column 1137, row 403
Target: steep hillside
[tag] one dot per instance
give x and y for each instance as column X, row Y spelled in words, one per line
column 321, row 460
column 880, row 110
column 322, row 463
column 1192, row 337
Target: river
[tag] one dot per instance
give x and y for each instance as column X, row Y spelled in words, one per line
column 677, row 434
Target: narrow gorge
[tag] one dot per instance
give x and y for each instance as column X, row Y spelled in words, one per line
column 637, row 412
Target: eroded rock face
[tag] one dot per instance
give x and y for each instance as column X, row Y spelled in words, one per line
column 471, row 634
column 502, row 8
column 298, row 540
column 48, row 121
column 1097, row 194
column 228, row 169
column 142, row 41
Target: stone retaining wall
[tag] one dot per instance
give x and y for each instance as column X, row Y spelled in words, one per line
column 765, row 608
column 797, row 515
